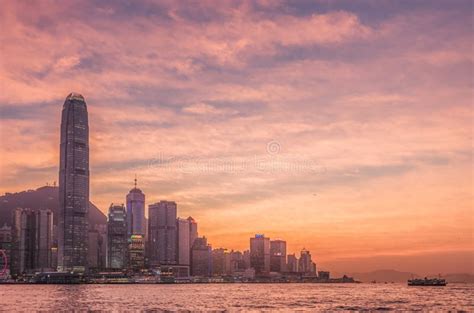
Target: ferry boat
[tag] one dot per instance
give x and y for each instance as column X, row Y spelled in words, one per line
column 427, row 282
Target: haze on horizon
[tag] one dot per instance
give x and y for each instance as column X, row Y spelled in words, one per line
column 342, row 127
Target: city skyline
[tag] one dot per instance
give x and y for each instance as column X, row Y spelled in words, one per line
column 250, row 132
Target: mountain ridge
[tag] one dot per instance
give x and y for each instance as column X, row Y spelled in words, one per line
column 45, row 197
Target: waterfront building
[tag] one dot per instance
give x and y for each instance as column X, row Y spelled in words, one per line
column 32, row 240
column 260, row 255
column 193, row 231
column 162, row 233
column 201, row 258
column 184, row 248
column 218, row 262
column 305, row 264
column 278, row 256
column 73, row 186
column 97, row 250
column 136, row 212
column 292, row 265
column 6, row 248
column 137, row 252
column 246, row 258
column 323, row 275
column 227, row 263
column 117, row 237
column 236, row 262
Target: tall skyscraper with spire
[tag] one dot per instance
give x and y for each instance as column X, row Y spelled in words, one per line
column 136, row 211
column 73, row 185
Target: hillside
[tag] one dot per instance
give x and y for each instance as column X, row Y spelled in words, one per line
column 44, row 197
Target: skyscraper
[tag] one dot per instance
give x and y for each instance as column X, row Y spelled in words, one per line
column 305, row 264
column 201, row 258
column 73, row 186
column 162, row 233
column 218, row 261
column 260, row 255
column 193, row 231
column 184, row 249
column 32, row 240
column 6, row 247
column 136, row 211
column 117, row 238
column 292, row 265
column 136, row 250
column 97, row 248
column 278, row 256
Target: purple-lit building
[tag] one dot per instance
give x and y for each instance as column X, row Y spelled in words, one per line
column 136, row 212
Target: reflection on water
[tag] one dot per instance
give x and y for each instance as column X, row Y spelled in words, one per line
column 236, row 297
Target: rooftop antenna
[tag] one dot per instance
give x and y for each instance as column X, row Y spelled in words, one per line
column 135, row 181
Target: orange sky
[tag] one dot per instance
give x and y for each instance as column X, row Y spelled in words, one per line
column 342, row 127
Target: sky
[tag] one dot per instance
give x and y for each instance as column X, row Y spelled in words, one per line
column 343, row 127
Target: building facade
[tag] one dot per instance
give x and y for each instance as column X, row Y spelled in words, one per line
column 201, row 258
column 73, row 186
column 136, row 252
column 193, row 231
column 184, row 249
column 236, row 262
column 278, row 256
column 219, row 262
column 162, row 233
column 97, row 248
column 292, row 265
column 6, row 241
column 117, row 237
column 136, row 212
column 260, row 255
column 32, row 240
column 305, row 263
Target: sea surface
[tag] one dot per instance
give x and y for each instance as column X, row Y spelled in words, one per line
column 236, row 297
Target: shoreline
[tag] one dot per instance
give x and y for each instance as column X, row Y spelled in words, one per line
column 176, row 283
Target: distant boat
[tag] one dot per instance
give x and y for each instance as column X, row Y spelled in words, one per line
column 427, row 282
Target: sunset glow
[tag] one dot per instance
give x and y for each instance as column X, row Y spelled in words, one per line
column 342, row 127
